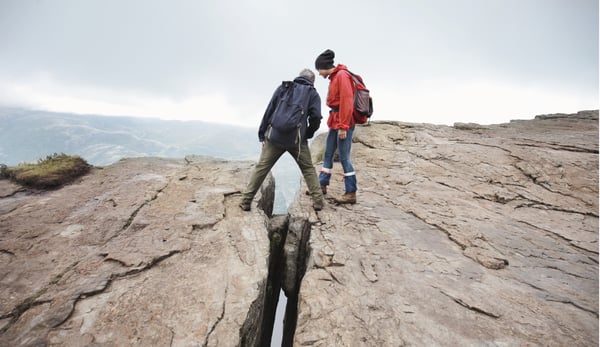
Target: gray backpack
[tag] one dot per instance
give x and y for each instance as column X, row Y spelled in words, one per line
column 363, row 103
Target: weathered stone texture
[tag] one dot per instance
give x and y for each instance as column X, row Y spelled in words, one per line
column 146, row 252
column 473, row 235
column 468, row 236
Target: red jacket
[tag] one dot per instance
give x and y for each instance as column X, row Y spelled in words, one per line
column 340, row 98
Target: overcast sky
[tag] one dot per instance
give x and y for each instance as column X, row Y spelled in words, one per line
column 435, row 61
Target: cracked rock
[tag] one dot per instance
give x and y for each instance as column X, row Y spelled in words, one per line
column 465, row 235
column 147, row 252
column 462, row 236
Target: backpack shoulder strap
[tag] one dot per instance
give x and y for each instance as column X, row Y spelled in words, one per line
column 356, row 78
column 286, row 86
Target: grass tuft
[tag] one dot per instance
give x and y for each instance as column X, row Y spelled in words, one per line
column 51, row 172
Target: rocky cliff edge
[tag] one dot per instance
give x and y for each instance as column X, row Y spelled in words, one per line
column 465, row 235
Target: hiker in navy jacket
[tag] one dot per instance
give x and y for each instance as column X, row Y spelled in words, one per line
column 277, row 140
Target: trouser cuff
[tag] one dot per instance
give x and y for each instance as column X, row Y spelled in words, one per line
column 324, row 178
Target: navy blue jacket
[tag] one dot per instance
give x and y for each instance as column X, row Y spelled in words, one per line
column 313, row 118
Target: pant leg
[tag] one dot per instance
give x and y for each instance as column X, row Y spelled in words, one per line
column 331, row 145
column 268, row 157
column 304, row 161
column 344, row 147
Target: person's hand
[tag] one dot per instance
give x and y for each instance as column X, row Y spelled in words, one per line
column 342, row 134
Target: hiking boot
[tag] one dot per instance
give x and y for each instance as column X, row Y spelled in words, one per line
column 318, row 205
column 245, row 205
column 347, row 198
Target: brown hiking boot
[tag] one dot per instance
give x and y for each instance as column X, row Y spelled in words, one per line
column 347, row 198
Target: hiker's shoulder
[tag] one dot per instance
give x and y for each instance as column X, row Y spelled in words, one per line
column 303, row 81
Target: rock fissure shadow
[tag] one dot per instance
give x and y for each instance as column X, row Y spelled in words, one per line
column 279, row 277
column 258, row 327
column 288, row 255
column 296, row 256
column 277, row 228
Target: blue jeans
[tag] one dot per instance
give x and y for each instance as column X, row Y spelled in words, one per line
column 343, row 147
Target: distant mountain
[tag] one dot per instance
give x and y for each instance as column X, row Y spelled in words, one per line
column 26, row 135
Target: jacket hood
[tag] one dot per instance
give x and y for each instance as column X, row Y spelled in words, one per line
column 338, row 68
column 303, row 80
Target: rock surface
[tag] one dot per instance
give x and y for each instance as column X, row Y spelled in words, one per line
column 462, row 236
column 146, row 252
column 473, row 235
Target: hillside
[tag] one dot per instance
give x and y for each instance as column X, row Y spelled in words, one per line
column 26, row 135
column 464, row 235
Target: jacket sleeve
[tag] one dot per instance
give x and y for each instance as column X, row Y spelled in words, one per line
column 314, row 115
column 266, row 120
column 346, row 89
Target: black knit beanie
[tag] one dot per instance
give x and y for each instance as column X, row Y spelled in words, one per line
column 325, row 60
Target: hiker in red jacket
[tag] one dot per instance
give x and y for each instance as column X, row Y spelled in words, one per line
column 340, row 98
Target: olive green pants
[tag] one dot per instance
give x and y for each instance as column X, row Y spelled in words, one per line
column 269, row 156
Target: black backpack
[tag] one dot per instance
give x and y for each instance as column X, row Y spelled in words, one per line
column 288, row 121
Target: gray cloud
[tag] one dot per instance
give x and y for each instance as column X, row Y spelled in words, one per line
column 243, row 49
